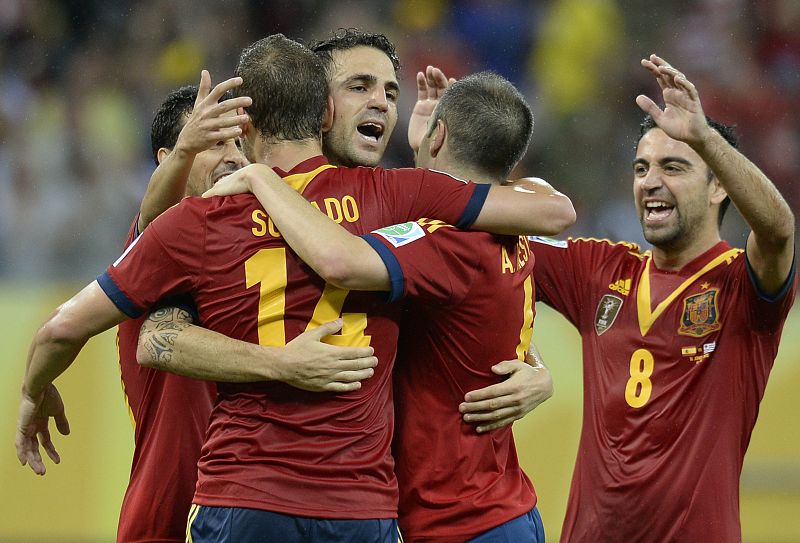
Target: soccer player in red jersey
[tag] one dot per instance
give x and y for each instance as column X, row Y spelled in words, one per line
column 170, row 412
column 364, row 93
column 475, row 297
column 275, row 456
column 193, row 145
column 678, row 342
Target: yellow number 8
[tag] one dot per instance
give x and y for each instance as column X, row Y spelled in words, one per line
column 639, row 387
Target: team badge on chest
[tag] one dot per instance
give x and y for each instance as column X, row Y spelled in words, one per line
column 700, row 316
column 606, row 314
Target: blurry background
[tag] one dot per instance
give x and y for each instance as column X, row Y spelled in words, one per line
column 80, row 80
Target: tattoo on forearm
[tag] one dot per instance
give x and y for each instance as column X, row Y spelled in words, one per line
column 159, row 332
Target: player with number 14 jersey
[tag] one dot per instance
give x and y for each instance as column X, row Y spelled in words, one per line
column 265, row 437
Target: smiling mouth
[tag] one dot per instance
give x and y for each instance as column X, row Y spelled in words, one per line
column 370, row 131
column 655, row 212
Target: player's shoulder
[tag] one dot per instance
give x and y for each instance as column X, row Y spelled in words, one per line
column 352, row 175
column 405, row 174
column 188, row 210
column 588, row 250
column 587, row 242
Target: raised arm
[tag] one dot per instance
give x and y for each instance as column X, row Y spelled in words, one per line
column 209, row 123
column 770, row 245
column 54, row 348
column 169, row 341
column 339, row 257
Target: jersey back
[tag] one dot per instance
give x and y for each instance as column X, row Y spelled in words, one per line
column 471, row 306
column 271, row 446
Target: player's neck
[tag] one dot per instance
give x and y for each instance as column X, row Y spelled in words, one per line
column 469, row 174
column 667, row 258
column 287, row 154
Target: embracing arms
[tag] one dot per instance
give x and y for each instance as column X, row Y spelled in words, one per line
column 169, row 341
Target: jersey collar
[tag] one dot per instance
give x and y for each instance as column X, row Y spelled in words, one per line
column 303, row 173
column 308, row 165
column 719, row 253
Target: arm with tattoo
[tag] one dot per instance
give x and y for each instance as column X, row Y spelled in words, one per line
column 169, row 341
column 158, row 335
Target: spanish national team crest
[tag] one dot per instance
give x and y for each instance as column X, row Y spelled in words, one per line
column 606, row 314
column 700, row 315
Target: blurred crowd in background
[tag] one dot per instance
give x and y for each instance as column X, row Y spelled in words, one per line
column 80, row 80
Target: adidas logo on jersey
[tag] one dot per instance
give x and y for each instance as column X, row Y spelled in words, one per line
column 623, row 286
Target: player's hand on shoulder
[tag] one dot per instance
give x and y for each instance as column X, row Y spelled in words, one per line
column 501, row 404
column 33, row 427
column 241, row 181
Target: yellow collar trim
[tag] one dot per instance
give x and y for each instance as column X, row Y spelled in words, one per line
column 300, row 181
column 646, row 316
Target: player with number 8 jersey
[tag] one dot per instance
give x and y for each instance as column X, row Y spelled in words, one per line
column 675, row 365
column 265, row 437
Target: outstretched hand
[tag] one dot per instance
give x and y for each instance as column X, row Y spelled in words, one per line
column 431, row 85
column 33, row 428
column 241, row 181
column 313, row 365
column 682, row 117
column 211, row 120
column 499, row 405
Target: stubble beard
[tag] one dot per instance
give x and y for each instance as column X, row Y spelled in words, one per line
column 670, row 238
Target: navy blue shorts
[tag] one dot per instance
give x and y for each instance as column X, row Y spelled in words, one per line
column 528, row 529
column 239, row 525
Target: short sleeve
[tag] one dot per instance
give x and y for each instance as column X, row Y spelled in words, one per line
column 160, row 262
column 768, row 313
column 413, row 193
column 558, row 275
column 428, row 260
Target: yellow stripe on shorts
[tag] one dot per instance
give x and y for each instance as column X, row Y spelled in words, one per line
column 193, row 511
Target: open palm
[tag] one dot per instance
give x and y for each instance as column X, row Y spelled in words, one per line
column 682, row 117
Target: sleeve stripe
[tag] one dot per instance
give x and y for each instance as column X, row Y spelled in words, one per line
column 116, row 295
column 783, row 290
column 185, row 305
column 396, row 278
column 474, row 206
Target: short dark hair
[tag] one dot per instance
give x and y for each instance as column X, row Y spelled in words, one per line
column 348, row 38
column 287, row 83
column 489, row 123
column 728, row 132
column 170, row 118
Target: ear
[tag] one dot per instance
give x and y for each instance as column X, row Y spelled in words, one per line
column 162, row 154
column 247, row 128
column 716, row 193
column 327, row 121
column 439, row 137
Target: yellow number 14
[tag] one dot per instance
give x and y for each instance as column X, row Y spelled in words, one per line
column 268, row 268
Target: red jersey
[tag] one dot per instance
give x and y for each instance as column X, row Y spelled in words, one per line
column 170, row 416
column 271, row 446
column 675, row 364
column 476, row 309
